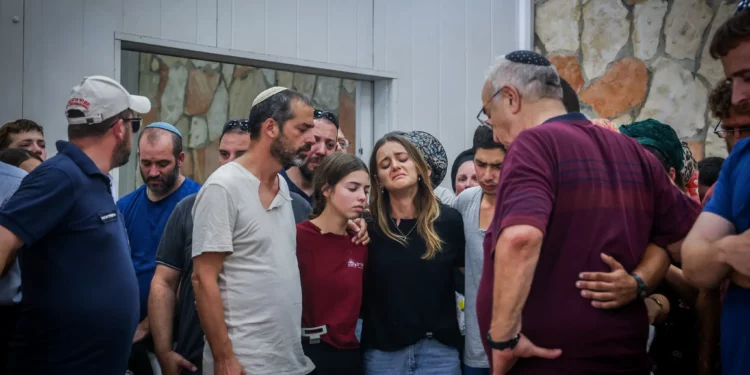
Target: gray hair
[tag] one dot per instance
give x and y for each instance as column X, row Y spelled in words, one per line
column 533, row 82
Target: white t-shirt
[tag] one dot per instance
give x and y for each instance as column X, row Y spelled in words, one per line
column 259, row 282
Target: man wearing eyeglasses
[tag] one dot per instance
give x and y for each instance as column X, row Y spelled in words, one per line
column 299, row 178
column 343, row 143
column 718, row 246
column 80, row 293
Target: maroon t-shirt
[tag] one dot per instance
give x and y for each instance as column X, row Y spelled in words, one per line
column 331, row 271
column 590, row 191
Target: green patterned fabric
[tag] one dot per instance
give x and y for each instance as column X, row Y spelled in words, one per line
column 660, row 136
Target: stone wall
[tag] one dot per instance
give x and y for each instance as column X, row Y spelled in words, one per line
column 631, row 60
column 199, row 96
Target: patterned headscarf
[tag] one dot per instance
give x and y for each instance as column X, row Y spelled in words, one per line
column 660, row 136
column 689, row 173
column 433, row 153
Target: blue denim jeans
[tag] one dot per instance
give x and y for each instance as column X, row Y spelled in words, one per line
column 426, row 357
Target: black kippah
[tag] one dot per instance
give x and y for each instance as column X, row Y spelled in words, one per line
column 527, row 57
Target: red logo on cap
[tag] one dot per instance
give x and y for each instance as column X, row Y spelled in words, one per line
column 79, row 102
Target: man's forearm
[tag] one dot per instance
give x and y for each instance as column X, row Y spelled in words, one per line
column 211, row 314
column 653, row 266
column 701, row 264
column 161, row 302
column 676, row 280
column 516, row 255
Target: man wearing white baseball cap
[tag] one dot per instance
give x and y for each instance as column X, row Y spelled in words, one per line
column 80, row 294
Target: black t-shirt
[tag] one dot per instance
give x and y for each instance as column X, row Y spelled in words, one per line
column 407, row 298
column 175, row 251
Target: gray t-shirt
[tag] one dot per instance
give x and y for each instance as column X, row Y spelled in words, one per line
column 468, row 204
column 10, row 284
column 259, row 282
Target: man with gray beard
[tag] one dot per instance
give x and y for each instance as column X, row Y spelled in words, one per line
column 299, row 177
column 146, row 211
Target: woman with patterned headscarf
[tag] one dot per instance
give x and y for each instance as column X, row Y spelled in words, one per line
column 661, row 141
column 675, row 347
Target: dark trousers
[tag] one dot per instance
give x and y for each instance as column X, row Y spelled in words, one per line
column 332, row 361
column 8, row 318
column 138, row 363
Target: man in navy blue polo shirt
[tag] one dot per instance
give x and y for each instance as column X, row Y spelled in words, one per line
column 80, row 295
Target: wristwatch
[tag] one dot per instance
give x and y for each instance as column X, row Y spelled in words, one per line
column 503, row 345
column 642, row 288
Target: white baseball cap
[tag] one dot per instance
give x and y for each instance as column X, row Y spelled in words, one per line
column 101, row 98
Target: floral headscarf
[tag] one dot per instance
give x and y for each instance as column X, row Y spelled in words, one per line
column 689, row 173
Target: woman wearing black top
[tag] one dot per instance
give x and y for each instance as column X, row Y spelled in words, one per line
column 409, row 310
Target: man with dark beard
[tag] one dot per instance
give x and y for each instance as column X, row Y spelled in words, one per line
column 245, row 273
column 146, row 211
column 299, row 178
column 80, row 294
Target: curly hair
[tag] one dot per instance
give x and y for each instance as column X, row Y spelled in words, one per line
column 720, row 100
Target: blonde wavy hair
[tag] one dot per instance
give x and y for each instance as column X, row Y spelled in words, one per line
column 426, row 205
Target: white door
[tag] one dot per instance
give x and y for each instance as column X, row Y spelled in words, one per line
column 11, row 59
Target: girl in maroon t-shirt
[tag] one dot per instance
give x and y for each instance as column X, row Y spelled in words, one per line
column 331, row 266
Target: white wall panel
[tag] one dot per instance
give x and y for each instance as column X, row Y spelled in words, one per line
column 281, row 27
column 248, row 25
column 478, row 58
column 342, row 32
column 365, row 19
column 11, row 59
column 179, row 19
column 142, row 17
column 312, row 35
column 205, row 24
column 54, row 59
column 425, row 56
column 399, row 43
column 453, row 114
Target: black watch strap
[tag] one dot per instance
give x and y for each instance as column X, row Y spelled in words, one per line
column 642, row 288
column 503, row 345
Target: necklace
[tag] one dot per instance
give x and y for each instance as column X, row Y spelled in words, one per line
column 405, row 236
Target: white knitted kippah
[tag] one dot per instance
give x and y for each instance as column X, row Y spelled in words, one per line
column 267, row 94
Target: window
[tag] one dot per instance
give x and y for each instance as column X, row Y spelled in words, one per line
column 199, row 96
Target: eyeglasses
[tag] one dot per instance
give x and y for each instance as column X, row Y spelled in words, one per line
column 241, row 125
column 734, row 131
column 326, row 115
column 743, row 6
column 344, row 143
column 482, row 117
column 135, row 123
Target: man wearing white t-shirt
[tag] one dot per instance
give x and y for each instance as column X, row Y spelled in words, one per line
column 246, row 278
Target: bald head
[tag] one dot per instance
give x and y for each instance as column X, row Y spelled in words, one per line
column 157, row 136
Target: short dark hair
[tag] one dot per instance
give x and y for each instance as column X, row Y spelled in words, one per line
column 277, row 107
column 484, row 139
column 708, row 170
column 78, row 131
column 235, row 127
column 570, row 98
column 730, row 34
column 16, row 156
column 665, row 164
column 16, row 127
column 154, row 135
